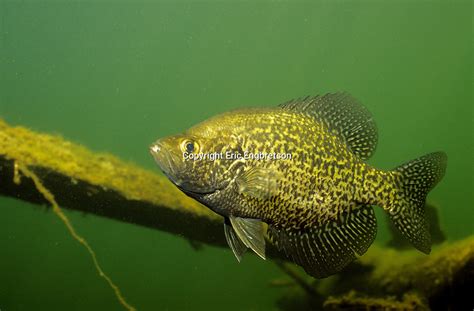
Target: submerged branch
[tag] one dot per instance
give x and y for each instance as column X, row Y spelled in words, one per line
column 103, row 185
column 100, row 184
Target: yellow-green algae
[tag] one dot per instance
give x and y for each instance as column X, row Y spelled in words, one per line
column 388, row 279
column 351, row 301
column 395, row 271
column 52, row 151
column 30, row 149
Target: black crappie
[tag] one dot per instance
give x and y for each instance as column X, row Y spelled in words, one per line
column 315, row 204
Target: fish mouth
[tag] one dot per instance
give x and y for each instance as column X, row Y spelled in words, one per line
column 196, row 192
column 171, row 167
column 165, row 161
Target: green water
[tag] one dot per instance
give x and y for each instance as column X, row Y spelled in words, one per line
column 116, row 75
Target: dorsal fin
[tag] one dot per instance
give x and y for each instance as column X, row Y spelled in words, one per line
column 344, row 116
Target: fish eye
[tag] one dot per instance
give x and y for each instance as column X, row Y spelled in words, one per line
column 189, row 146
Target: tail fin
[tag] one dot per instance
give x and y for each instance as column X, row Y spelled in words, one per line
column 416, row 179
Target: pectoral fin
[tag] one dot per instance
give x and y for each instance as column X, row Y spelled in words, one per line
column 328, row 249
column 251, row 233
column 261, row 183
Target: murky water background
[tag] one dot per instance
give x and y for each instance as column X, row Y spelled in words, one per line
column 115, row 75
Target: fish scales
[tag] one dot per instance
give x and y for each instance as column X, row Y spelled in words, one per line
column 315, row 206
column 331, row 166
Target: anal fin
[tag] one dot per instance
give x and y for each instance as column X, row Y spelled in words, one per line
column 328, row 249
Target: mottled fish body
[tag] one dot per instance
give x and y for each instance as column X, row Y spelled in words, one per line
column 316, row 203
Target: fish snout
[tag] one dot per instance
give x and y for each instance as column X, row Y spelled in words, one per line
column 158, row 152
column 155, row 148
column 165, row 159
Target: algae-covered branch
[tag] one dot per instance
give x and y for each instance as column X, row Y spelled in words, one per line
column 100, row 184
column 76, row 178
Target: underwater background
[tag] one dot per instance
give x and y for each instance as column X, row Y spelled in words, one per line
column 116, row 75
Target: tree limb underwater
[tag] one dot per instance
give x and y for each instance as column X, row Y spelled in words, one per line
column 51, row 171
column 102, row 184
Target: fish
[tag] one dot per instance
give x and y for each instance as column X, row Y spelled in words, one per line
column 296, row 176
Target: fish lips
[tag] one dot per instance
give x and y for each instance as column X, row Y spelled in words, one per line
column 165, row 160
column 173, row 167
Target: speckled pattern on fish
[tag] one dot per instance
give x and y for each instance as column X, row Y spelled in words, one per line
column 317, row 206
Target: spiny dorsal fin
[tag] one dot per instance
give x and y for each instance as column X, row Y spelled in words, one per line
column 326, row 250
column 344, row 116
